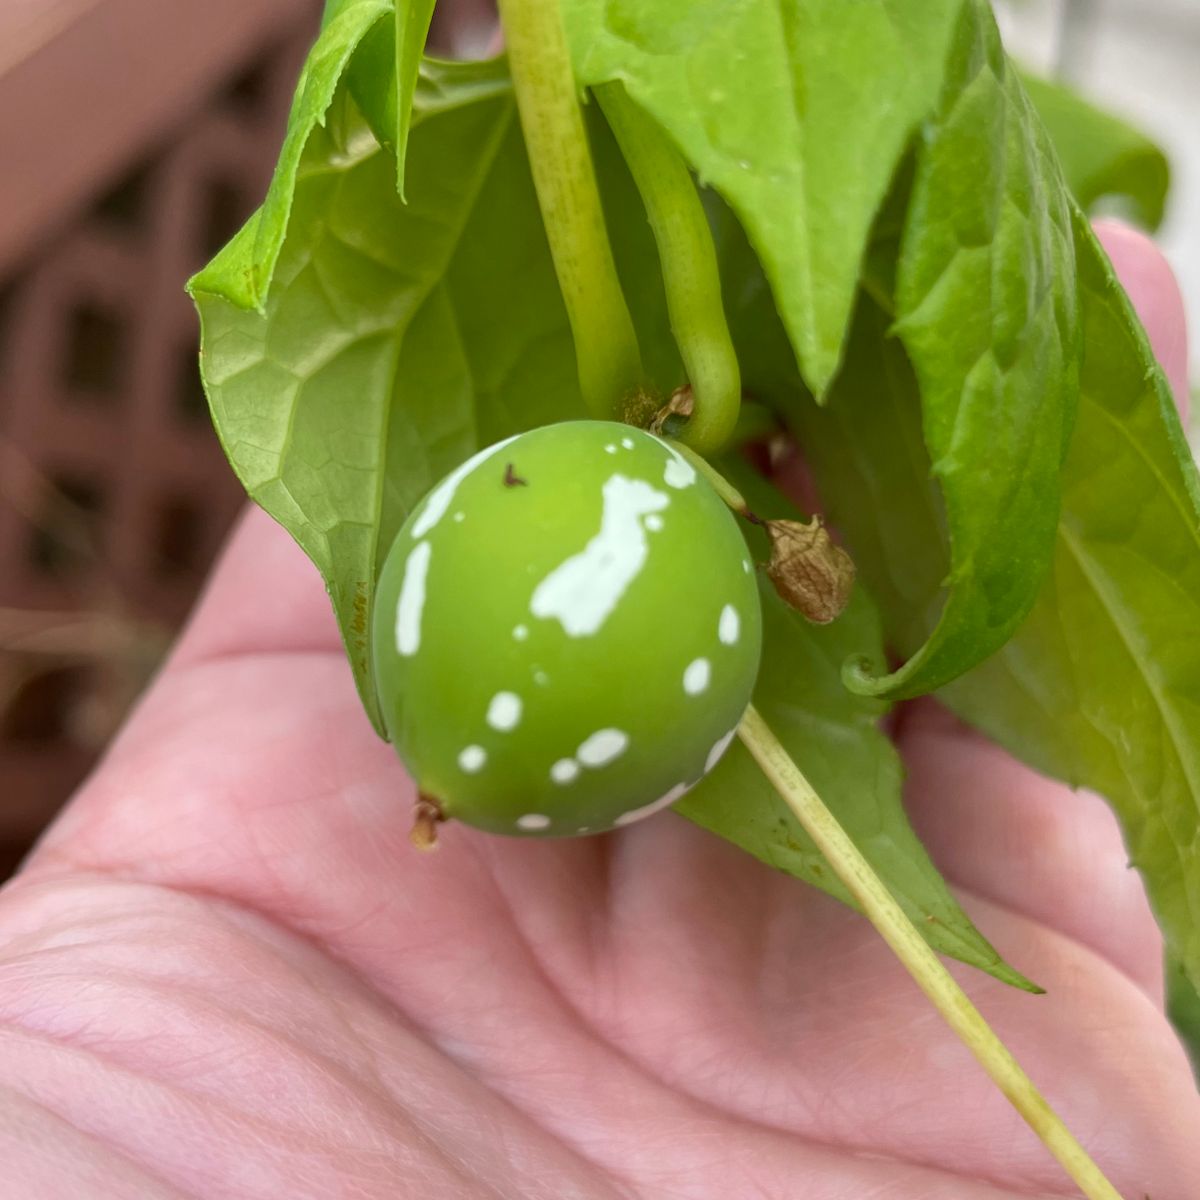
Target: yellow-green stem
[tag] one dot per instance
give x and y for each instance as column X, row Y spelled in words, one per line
column 732, row 497
column 914, row 952
column 689, row 267
column 606, row 347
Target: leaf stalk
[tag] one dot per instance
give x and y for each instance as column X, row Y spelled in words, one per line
column 606, row 346
column 734, row 500
column 918, row 958
column 689, row 266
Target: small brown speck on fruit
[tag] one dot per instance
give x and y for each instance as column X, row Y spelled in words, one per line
column 809, row 570
column 427, row 816
column 512, row 479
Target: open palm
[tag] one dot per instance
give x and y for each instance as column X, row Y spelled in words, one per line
column 227, row 974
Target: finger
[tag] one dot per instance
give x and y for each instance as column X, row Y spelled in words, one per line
column 1147, row 277
column 264, row 596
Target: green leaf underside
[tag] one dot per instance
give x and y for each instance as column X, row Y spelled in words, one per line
column 334, row 9
column 766, row 100
column 377, row 363
column 243, row 270
column 986, row 308
column 834, row 735
column 1103, row 158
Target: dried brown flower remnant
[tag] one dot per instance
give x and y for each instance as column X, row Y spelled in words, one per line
column 427, row 816
column 681, row 404
column 809, row 570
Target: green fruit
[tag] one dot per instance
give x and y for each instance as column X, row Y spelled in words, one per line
column 566, row 632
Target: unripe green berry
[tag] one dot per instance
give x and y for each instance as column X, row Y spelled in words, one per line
column 566, row 632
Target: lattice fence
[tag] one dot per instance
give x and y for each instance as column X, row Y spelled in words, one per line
column 114, row 495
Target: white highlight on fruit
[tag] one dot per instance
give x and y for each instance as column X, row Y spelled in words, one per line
column 541, row 678
column 412, row 600
column 610, row 449
column 602, row 747
column 439, row 499
column 654, row 522
column 679, row 472
column 521, row 632
column 746, row 565
column 729, row 627
column 696, row 676
column 566, row 770
column 472, row 759
column 718, row 750
column 533, row 821
column 583, row 590
column 627, row 443
column 458, row 517
column 636, row 814
column 504, row 711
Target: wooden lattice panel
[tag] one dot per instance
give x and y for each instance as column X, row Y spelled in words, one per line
column 114, row 494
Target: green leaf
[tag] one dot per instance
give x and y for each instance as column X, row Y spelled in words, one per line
column 333, row 10
column 376, row 363
column 1183, row 1007
column 1103, row 157
column 411, row 30
column 776, row 104
column 1100, row 686
column 835, row 737
column 384, row 74
column 986, row 307
column 873, row 472
column 244, row 275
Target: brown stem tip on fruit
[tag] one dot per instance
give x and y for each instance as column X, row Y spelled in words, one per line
column 809, row 570
column 427, row 816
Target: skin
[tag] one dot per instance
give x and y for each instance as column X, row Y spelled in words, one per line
column 225, row 973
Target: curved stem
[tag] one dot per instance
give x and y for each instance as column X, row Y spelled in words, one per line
column 734, row 500
column 921, row 962
column 606, row 347
column 689, row 266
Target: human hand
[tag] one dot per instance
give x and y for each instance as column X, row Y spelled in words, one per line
column 225, row 973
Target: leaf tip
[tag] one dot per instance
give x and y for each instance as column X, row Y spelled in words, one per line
column 1011, row 976
column 859, row 675
column 400, row 172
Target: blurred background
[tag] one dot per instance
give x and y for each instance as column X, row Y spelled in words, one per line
column 135, row 137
